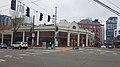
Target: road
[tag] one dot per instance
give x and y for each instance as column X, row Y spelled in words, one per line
column 84, row 57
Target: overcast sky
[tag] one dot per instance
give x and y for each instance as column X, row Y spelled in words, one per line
column 71, row 10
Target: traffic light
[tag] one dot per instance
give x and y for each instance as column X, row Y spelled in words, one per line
column 13, row 4
column 28, row 12
column 56, row 35
column 41, row 17
column 48, row 18
column 57, row 28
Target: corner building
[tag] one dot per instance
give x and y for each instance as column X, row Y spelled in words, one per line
column 69, row 34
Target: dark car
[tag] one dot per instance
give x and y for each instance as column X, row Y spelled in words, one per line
column 110, row 46
column 3, row 46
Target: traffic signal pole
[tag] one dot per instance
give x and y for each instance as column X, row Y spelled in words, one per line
column 33, row 34
column 55, row 37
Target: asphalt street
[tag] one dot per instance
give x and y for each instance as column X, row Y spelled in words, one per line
column 84, row 57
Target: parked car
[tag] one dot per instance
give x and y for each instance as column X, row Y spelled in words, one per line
column 20, row 45
column 110, row 46
column 3, row 46
column 103, row 46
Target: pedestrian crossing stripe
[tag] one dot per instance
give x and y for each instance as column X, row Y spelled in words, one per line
column 1, row 60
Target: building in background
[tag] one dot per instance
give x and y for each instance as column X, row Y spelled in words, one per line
column 5, row 20
column 116, row 40
column 96, row 27
column 111, row 25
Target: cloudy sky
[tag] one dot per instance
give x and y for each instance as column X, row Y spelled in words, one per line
column 71, row 10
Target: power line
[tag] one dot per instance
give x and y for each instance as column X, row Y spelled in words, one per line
column 27, row 6
column 40, row 7
column 107, row 7
column 26, row 3
column 33, row 1
column 113, row 4
column 32, row 8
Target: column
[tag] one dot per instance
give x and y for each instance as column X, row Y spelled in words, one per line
column 68, row 39
column 86, row 39
column 78, row 39
column 23, row 36
column 11, row 38
column 38, row 35
column 2, row 38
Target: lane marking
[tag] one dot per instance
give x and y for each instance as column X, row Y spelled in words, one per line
column 90, row 52
column 108, row 51
column 81, row 51
column 9, row 56
column 45, row 52
column 98, row 50
column 16, row 57
column 24, row 54
column 115, row 53
column 1, row 60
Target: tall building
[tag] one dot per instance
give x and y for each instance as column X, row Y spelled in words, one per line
column 5, row 20
column 111, row 25
column 96, row 27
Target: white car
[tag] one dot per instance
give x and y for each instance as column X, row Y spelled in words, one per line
column 20, row 45
column 103, row 46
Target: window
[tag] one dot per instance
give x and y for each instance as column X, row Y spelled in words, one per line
column 74, row 27
column 119, row 32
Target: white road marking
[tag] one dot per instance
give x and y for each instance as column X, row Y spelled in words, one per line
column 24, row 54
column 16, row 57
column 45, row 52
column 1, row 60
column 90, row 52
column 37, row 53
column 99, row 50
column 108, row 51
column 115, row 53
column 9, row 56
column 81, row 51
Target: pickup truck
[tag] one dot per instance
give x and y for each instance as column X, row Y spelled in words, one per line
column 20, row 45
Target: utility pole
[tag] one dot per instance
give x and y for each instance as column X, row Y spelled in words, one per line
column 55, row 32
column 33, row 34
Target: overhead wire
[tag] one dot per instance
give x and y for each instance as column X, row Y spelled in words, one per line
column 113, row 4
column 26, row 3
column 40, row 7
column 32, row 8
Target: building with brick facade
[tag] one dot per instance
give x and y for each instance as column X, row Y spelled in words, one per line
column 96, row 27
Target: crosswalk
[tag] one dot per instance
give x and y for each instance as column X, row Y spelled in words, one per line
column 94, row 51
column 2, row 60
column 27, row 53
column 34, row 52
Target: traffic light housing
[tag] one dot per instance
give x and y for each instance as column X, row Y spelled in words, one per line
column 56, row 28
column 48, row 18
column 28, row 12
column 41, row 17
column 13, row 4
